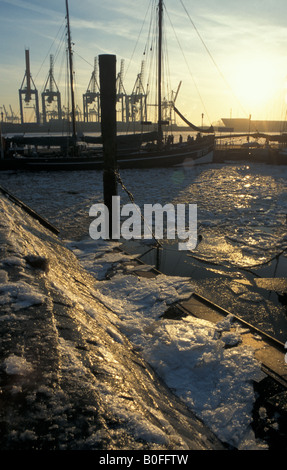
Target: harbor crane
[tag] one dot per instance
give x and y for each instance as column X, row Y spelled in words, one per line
column 14, row 118
column 8, row 117
column 121, row 94
column 92, row 97
column 50, row 96
column 138, row 98
column 168, row 105
column 28, row 91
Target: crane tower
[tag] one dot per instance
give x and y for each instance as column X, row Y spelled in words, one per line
column 138, row 98
column 121, row 94
column 28, row 91
column 51, row 95
column 92, row 96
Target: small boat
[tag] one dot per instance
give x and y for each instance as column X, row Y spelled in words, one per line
column 155, row 153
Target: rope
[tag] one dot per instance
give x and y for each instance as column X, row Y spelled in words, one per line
column 188, row 67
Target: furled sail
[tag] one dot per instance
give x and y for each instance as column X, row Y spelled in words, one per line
column 199, row 129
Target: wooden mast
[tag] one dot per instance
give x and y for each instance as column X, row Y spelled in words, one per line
column 71, row 72
column 160, row 13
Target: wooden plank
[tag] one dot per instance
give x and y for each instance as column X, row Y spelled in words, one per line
column 267, row 350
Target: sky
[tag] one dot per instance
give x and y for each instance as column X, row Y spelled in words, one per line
column 230, row 57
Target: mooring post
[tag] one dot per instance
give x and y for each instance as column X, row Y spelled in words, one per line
column 107, row 65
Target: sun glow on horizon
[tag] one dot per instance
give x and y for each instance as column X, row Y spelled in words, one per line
column 255, row 82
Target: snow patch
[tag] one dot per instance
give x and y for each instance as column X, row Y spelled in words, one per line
column 17, row 365
column 20, row 295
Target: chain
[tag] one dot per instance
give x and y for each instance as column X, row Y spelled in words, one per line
column 132, row 199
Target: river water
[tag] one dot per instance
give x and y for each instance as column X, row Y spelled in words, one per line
column 241, row 223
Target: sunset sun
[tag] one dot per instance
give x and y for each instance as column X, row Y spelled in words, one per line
column 254, row 82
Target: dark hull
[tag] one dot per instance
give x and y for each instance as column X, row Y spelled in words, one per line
column 175, row 156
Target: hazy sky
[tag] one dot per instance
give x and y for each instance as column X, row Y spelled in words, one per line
column 233, row 64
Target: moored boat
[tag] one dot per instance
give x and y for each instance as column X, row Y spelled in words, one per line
column 195, row 153
column 155, row 153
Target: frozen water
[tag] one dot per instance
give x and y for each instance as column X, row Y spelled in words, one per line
column 242, row 219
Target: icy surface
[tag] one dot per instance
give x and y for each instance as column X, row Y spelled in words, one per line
column 189, row 354
column 242, row 216
column 69, row 377
column 20, row 295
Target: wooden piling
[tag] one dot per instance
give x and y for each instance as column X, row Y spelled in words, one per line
column 107, row 65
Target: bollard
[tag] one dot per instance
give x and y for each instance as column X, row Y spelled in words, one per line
column 107, row 65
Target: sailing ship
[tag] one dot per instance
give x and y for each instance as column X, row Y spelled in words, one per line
column 154, row 153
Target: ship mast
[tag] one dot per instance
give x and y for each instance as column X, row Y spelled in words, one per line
column 160, row 14
column 71, row 71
